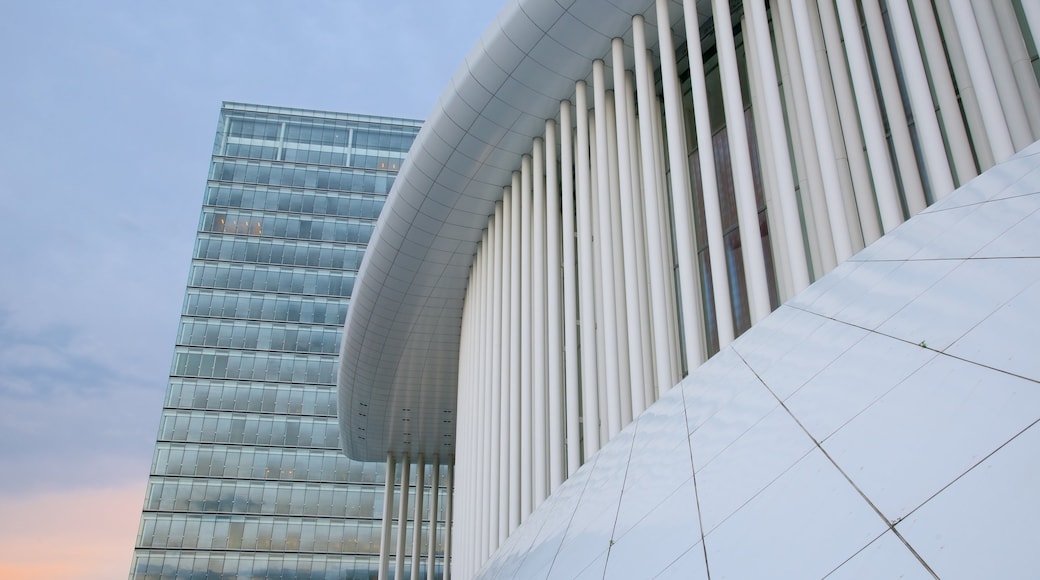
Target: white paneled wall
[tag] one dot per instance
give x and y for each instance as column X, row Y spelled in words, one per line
column 674, row 202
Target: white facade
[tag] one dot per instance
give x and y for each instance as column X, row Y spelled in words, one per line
column 884, row 423
column 589, row 215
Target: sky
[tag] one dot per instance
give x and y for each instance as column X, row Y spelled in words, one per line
column 108, row 112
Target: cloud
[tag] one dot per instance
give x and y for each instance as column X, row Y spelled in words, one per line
column 69, row 417
column 76, row 534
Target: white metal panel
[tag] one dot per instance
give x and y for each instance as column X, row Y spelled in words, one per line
column 984, row 524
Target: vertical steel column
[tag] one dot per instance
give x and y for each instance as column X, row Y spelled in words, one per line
column 402, row 518
column 630, row 271
column 1021, row 64
column 720, row 280
column 646, row 346
column 1003, row 75
column 481, row 507
column 1032, row 13
column 506, row 366
column 813, row 201
column 885, row 187
column 420, row 486
column 740, row 156
column 467, row 420
column 945, row 94
column 570, row 291
column 515, row 474
column 621, row 298
column 997, row 129
column 821, row 133
column 472, row 478
column 612, row 383
column 526, row 381
column 431, row 545
column 448, row 528
column 665, row 228
column 488, row 384
column 969, row 101
column 916, row 79
column 553, row 313
column 848, row 122
column 838, row 151
column 500, row 382
column 539, row 452
column 597, row 286
column 891, row 96
column 388, row 518
column 587, row 300
column 680, row 181
column 774, row 214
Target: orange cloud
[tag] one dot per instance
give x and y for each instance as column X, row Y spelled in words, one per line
column 80, row 534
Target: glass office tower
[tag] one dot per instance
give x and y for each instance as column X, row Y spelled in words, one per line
column 248, row 480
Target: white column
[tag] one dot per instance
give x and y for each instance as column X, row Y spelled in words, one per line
column 780, row 160
column 431, row 546
column 388, row 518
column 621, row 298
column 916, row 80
column 489, row 387
column 740, row 156
column 1021, row 65
column 680, row 181
column 611, row 383
column 969, row 102
column 945, row 94
column 570, row 289
column 975, row 52
column 630, row 272
column 448, row 519
column 464, row 410
column 1032, row 12
column 420, row 476
column 538, row 347
column 587, row 301
column 774, row 215
column 1003, row 75
column 834, row 126
column 469, row 413
column 508, row 476
column 906, row 158
column 886, row 189
column 501, row 373
column 554, row 315
column 709, row 183
column 515, row 474
column 597, row 252
column 814, row 205
column 483, row 383
column 665, row 228
column 492, row 384
column 658, row 280
column 597, row 286
column 847, row 124
column 646, row 384
column 526, row 382
column 821, row 133
column 402, row 518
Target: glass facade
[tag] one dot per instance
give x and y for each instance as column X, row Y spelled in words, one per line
column 248, row 480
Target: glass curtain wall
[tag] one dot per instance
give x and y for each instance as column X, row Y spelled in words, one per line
column 248, row 479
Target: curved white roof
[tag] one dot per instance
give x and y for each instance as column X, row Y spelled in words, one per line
column 399, row 358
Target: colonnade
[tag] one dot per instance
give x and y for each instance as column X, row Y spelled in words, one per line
column 594, row 290
column 413, row 519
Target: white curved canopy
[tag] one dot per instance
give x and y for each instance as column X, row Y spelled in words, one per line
column 399, row 358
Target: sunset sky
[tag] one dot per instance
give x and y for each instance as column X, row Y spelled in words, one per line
column 109, row 110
